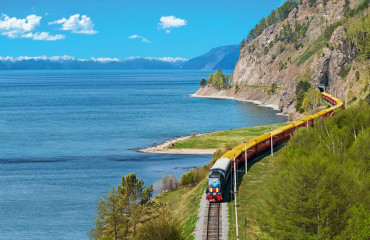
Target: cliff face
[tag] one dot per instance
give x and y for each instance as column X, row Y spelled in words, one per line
column 285, row 54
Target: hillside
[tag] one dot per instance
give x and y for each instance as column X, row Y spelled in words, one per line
column 315, row 40
column 222, row 57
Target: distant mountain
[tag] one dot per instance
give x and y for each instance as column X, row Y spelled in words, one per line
column 67, row 62
column 222, row 57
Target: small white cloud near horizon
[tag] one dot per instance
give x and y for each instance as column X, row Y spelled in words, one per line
column 170, row 22
column 77, row 25
column 143, row 39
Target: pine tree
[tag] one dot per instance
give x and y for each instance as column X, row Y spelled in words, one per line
column 111, row 221
column 136, row 196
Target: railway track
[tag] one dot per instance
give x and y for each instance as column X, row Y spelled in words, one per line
column 213, row 226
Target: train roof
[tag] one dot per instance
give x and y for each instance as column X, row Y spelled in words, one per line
column 236, row 151
column 222, row 163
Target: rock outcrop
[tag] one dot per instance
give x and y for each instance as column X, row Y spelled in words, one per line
column 325, row 59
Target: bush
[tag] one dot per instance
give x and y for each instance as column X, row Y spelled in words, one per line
column 188, row 179
column 164, row 227
column 344, row 72
column 282, row 49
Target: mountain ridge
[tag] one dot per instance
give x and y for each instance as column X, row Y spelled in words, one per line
column 224, row 57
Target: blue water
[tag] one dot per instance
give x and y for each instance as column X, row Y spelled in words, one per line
column 66, row 137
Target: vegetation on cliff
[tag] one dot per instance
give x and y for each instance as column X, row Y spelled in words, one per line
column 219, row 80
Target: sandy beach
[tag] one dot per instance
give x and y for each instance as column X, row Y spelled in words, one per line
column 162, row 148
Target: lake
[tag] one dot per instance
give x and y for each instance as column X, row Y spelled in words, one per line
column 67, row 137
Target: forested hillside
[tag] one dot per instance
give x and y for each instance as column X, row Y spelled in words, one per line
column 321, row 187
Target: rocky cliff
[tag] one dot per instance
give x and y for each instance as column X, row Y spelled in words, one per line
column 310, row 44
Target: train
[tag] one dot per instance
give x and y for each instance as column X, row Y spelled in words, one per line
column 218, row 176
column 220, row 172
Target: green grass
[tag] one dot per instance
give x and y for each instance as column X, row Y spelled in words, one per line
column 220, row 138
column 311, row 50
column 184, row 203
column 250, row 190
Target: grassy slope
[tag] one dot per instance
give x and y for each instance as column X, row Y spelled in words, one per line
column 250, row 191
column 184, row 203
column 220, row 138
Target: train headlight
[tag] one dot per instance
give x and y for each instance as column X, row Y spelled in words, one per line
column 210, row 189
column 216, row 189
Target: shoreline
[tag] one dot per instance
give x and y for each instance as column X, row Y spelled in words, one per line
column 258, row 103
column 162, row 148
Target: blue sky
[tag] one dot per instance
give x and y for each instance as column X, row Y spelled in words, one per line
column 121, row 28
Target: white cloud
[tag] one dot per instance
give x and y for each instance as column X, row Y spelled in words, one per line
column 43, row 36
column 60, row 21
column 170, row 22
column 14, row 28
column 143, row 39
column 23, row 28
column 77, row 25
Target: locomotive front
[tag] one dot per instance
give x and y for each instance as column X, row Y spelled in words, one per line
column 217, row 178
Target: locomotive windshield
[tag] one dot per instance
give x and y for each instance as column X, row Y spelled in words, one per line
column 214, row 181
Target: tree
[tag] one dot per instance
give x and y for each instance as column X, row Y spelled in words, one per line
column 272, row 89
column 312, row 99
column 301, row 88
column 119, row 212
column 165, row 183
column 136, row 196
column 189, row 178
column 110, row 221
column 320, row 188
column 219, row 80
column 173, row 181
column 358, row 34
column 203, row 82
column 357, row 224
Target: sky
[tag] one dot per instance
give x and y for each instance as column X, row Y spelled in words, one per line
column 122, row 28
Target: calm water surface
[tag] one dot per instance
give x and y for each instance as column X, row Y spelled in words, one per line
column 66, row 137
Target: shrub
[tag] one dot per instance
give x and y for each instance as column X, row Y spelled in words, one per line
column 164, row 227
column 282, row 49
column 345, row 70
